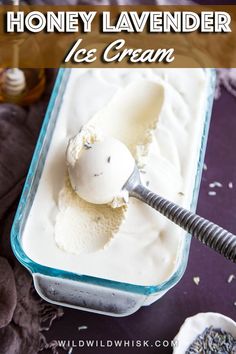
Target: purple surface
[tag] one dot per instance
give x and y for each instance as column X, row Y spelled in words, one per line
column 162, row 320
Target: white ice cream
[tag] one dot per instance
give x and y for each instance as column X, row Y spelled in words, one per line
column 89, row 231
column 99, row 169
column 146, row 246
column 99, row 165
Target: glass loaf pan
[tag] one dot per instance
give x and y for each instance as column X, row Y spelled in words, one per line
column 77, row 290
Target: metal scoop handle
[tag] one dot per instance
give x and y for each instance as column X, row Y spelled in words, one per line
column 202, row 229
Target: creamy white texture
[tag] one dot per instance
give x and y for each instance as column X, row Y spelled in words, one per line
column 101, row 171
column 83, row 227
column 146, row 248
column 130, row 119
column 131, row 115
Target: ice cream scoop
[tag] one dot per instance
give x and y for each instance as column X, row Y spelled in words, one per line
column 202, row 229
column 106, row 170
column 100, row 171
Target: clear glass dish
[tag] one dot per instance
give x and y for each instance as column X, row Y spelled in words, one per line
column 77, row 290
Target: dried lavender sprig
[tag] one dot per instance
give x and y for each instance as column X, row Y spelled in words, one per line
column 213, row 340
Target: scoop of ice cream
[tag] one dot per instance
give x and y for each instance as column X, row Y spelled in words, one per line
column 99, row 169
column 129, row 116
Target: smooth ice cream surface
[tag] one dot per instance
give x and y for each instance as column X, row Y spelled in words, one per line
column 99, row 167
column 133, row 243
column 100, row 162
